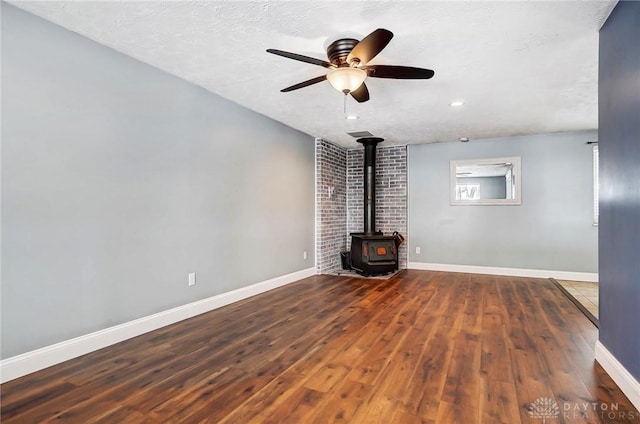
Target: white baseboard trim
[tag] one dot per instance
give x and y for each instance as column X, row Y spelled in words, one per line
column 627, row 383
column 33, row 361
column 513, row 272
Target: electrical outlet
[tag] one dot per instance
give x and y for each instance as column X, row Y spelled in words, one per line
column 192, row 279
column 304, row 255
column 418, row 250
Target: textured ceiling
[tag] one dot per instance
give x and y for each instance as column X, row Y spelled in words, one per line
column 520, row 67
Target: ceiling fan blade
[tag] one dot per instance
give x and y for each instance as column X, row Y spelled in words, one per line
column 305, row 83
column 301, row 58
column 370, row 46
column 398, row 72
column 361, row 94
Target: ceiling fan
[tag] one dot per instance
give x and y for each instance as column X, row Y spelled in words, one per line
column 348, row 67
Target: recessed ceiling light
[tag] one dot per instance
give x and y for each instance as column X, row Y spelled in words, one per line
column 352, row 117
column 457, row 103
column 464, row 139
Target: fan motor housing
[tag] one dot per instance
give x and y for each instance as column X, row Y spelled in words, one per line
column 338, row 51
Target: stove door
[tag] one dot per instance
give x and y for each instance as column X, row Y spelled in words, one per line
column 381, row 250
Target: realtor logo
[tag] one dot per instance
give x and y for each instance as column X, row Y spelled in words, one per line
column 544, row 408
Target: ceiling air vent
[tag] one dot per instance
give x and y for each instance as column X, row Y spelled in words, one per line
column 360, row 134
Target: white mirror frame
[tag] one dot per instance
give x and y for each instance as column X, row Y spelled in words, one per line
column 492, row 202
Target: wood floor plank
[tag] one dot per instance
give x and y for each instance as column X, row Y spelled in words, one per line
column 498, row 403
column 420, row 347
column 15, row 405
column 402, row 366
column 327, row 377
column 124, row 415
column 457, row 413
column 462, row 385
column 376, row 354
column 494, row 359
column 424, row 390
column 345, row 400
column 263, row 403
column 530, row 379
column 297, row 408
column 378, row 409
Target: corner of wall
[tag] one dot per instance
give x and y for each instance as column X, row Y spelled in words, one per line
column 331, row 187
column 619, row 374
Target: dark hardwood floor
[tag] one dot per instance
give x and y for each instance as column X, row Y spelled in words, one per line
column 421, row 347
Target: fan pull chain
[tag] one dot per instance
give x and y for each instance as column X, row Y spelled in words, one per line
column 344, row 110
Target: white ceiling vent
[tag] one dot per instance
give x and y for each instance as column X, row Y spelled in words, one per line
column 360, row 134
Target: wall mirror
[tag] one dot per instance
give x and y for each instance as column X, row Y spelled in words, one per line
column 493, row 181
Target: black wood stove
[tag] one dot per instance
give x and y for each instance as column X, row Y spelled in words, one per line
column 373, row 253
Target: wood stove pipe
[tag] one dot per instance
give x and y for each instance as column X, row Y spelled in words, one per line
column 370, row 144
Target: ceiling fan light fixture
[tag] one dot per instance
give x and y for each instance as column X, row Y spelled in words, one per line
column 348, row 65
column 346, row 79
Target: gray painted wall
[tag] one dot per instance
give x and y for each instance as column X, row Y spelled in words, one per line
column 551, row 230
column 119, row 179
column 619, row 117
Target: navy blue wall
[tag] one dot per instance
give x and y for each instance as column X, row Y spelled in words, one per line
column 619, row 136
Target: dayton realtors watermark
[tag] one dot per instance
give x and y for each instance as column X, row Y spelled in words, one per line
column 548, row 409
